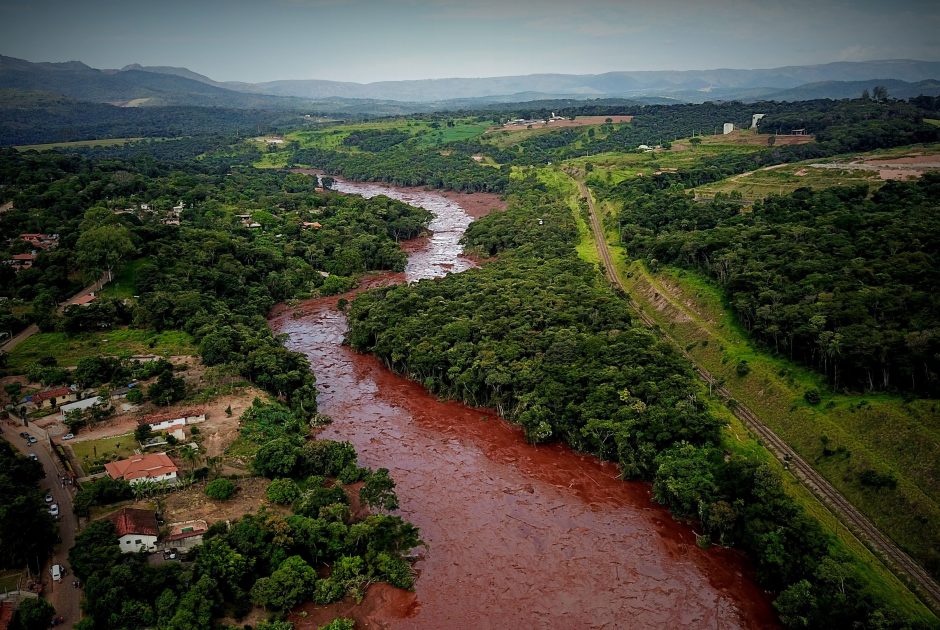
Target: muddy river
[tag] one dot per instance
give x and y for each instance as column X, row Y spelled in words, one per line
column 517, row 536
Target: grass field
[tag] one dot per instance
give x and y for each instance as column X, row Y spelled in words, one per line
column 68, row 349
column 787, row 178
column 422, row 132
column 107, row 142
column 124, row 285
column 566, row 188
column 88, row 453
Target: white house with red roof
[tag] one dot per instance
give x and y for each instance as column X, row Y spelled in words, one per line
column 137, row 530
column 141, row 468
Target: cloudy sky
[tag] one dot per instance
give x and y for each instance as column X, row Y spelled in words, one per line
column 373, row 40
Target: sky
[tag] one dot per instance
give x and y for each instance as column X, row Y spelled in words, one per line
column 374, row 40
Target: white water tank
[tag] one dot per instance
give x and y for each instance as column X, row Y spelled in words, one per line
column 729, row 127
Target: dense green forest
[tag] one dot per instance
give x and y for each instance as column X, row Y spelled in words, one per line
column 27, row 532
column 839, row 279
column 537, row 335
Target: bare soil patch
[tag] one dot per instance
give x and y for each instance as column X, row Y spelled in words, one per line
column 192, row 503
column 478, row 204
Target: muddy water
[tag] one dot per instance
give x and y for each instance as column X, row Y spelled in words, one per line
column 518, row 536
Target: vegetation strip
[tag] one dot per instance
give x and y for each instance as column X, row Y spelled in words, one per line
column 902, row 564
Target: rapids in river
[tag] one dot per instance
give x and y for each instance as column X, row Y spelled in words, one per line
column 518, row 536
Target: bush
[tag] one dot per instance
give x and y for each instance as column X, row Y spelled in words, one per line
column 283, row 491
column 812, row 397
column 742, row 369
column 220, row 489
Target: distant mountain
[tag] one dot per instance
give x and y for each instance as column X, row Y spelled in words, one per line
column 706, row 83
column 129, row 87
column 147, row 86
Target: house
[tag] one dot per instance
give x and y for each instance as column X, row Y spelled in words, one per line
column 52, row 397
column 165, row 421
column 311, row 225
column 41, row 241
column 84, row 300
column 141, row 468
column 185, row 534
column 80, row 405
column 22, row 261
column 137, row 530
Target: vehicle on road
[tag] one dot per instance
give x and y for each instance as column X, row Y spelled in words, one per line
column 33, row 457
column 30, row 439
column 170, row 554
column 68, row 436
column 54, row 509
column 49, row 498
column 56, row 570
column 24, row 434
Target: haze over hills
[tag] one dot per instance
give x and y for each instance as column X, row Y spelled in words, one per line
column 136, row 85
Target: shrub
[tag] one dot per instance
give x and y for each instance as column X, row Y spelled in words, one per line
column 812, row 397
column 742, row 368
column 220, row 489
column 283, row 491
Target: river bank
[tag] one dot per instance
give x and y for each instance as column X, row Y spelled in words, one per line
column 516, row 534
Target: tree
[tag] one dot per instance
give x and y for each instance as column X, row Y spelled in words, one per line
column 277, row 458
column 167, row 390
column 220, row 489
column 103, row 247
column 283, row 491
column 143, row 432
column 33, row 614
column 96, row 549
column 880, row 93
column 695, row 142
column 379, row 490
column 290, row 584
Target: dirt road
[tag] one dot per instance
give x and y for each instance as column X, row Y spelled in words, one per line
column 62, row 595
column 902, row 565
column 32, row 329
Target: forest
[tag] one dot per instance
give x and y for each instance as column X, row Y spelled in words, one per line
column 839, row 279
column 536, row 335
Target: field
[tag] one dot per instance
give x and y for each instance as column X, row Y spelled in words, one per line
column 107, row 142
column 508, row 135
column 88, row 452
column 124, row 284
column 68, row 349
column 872, row 169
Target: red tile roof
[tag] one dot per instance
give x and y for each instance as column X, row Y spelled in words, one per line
column 141, row 466
column 85, row 299
column 187, row 529
column 24, row 257
column 58, row 392
column 133, row 521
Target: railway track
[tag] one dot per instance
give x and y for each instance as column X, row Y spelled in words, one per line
column 901, row 564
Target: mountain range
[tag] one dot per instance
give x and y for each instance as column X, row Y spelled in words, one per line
column 135, row 85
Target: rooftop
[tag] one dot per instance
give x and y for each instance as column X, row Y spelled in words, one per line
column 57, row 392
column 141, row 466
column 133, row 521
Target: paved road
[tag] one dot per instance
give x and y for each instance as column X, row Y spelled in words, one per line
column 902, row 565
column 32, row 329
column 62, row 595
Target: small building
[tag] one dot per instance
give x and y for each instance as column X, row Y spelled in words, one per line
column 137, row 530
column 186, row 534
column 22, row 261
column 313, row 225
column 755, row 120
column 41, row 240
column 142, row 468
column 166, row 421
column 51, row 398
column 80, row 405
column 85, row 300
column 727, row 128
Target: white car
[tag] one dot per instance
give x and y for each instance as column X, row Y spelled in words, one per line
column 56, row 571
column 68, row 436
column 33, row 457
column 49, row 498
column 54, row 509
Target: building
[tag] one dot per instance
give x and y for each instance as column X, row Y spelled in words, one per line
column 727, row 128
column 50, row 398
column 165, row 421
column 186, row 534
column 80, row 405
column 755, row 120
column 155, row 467
column 84, row 300
column 137, row 530
column 311, row 224
column 22, row 261
column 41, row 241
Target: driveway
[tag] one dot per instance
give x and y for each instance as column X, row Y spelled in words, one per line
column 62, row 595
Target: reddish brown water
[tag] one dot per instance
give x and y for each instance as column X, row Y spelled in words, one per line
column 517, row 536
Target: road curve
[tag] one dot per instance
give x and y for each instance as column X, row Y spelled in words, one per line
column 901, row 564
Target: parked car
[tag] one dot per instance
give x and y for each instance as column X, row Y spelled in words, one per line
column 170, row 554
column 24, row 434
column 56, row 570
column 33, row 457
column 68, row 436
column 54, row 509
column 49, row 498
column 30, row 439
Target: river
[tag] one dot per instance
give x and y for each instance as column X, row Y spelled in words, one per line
column 518, row 536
